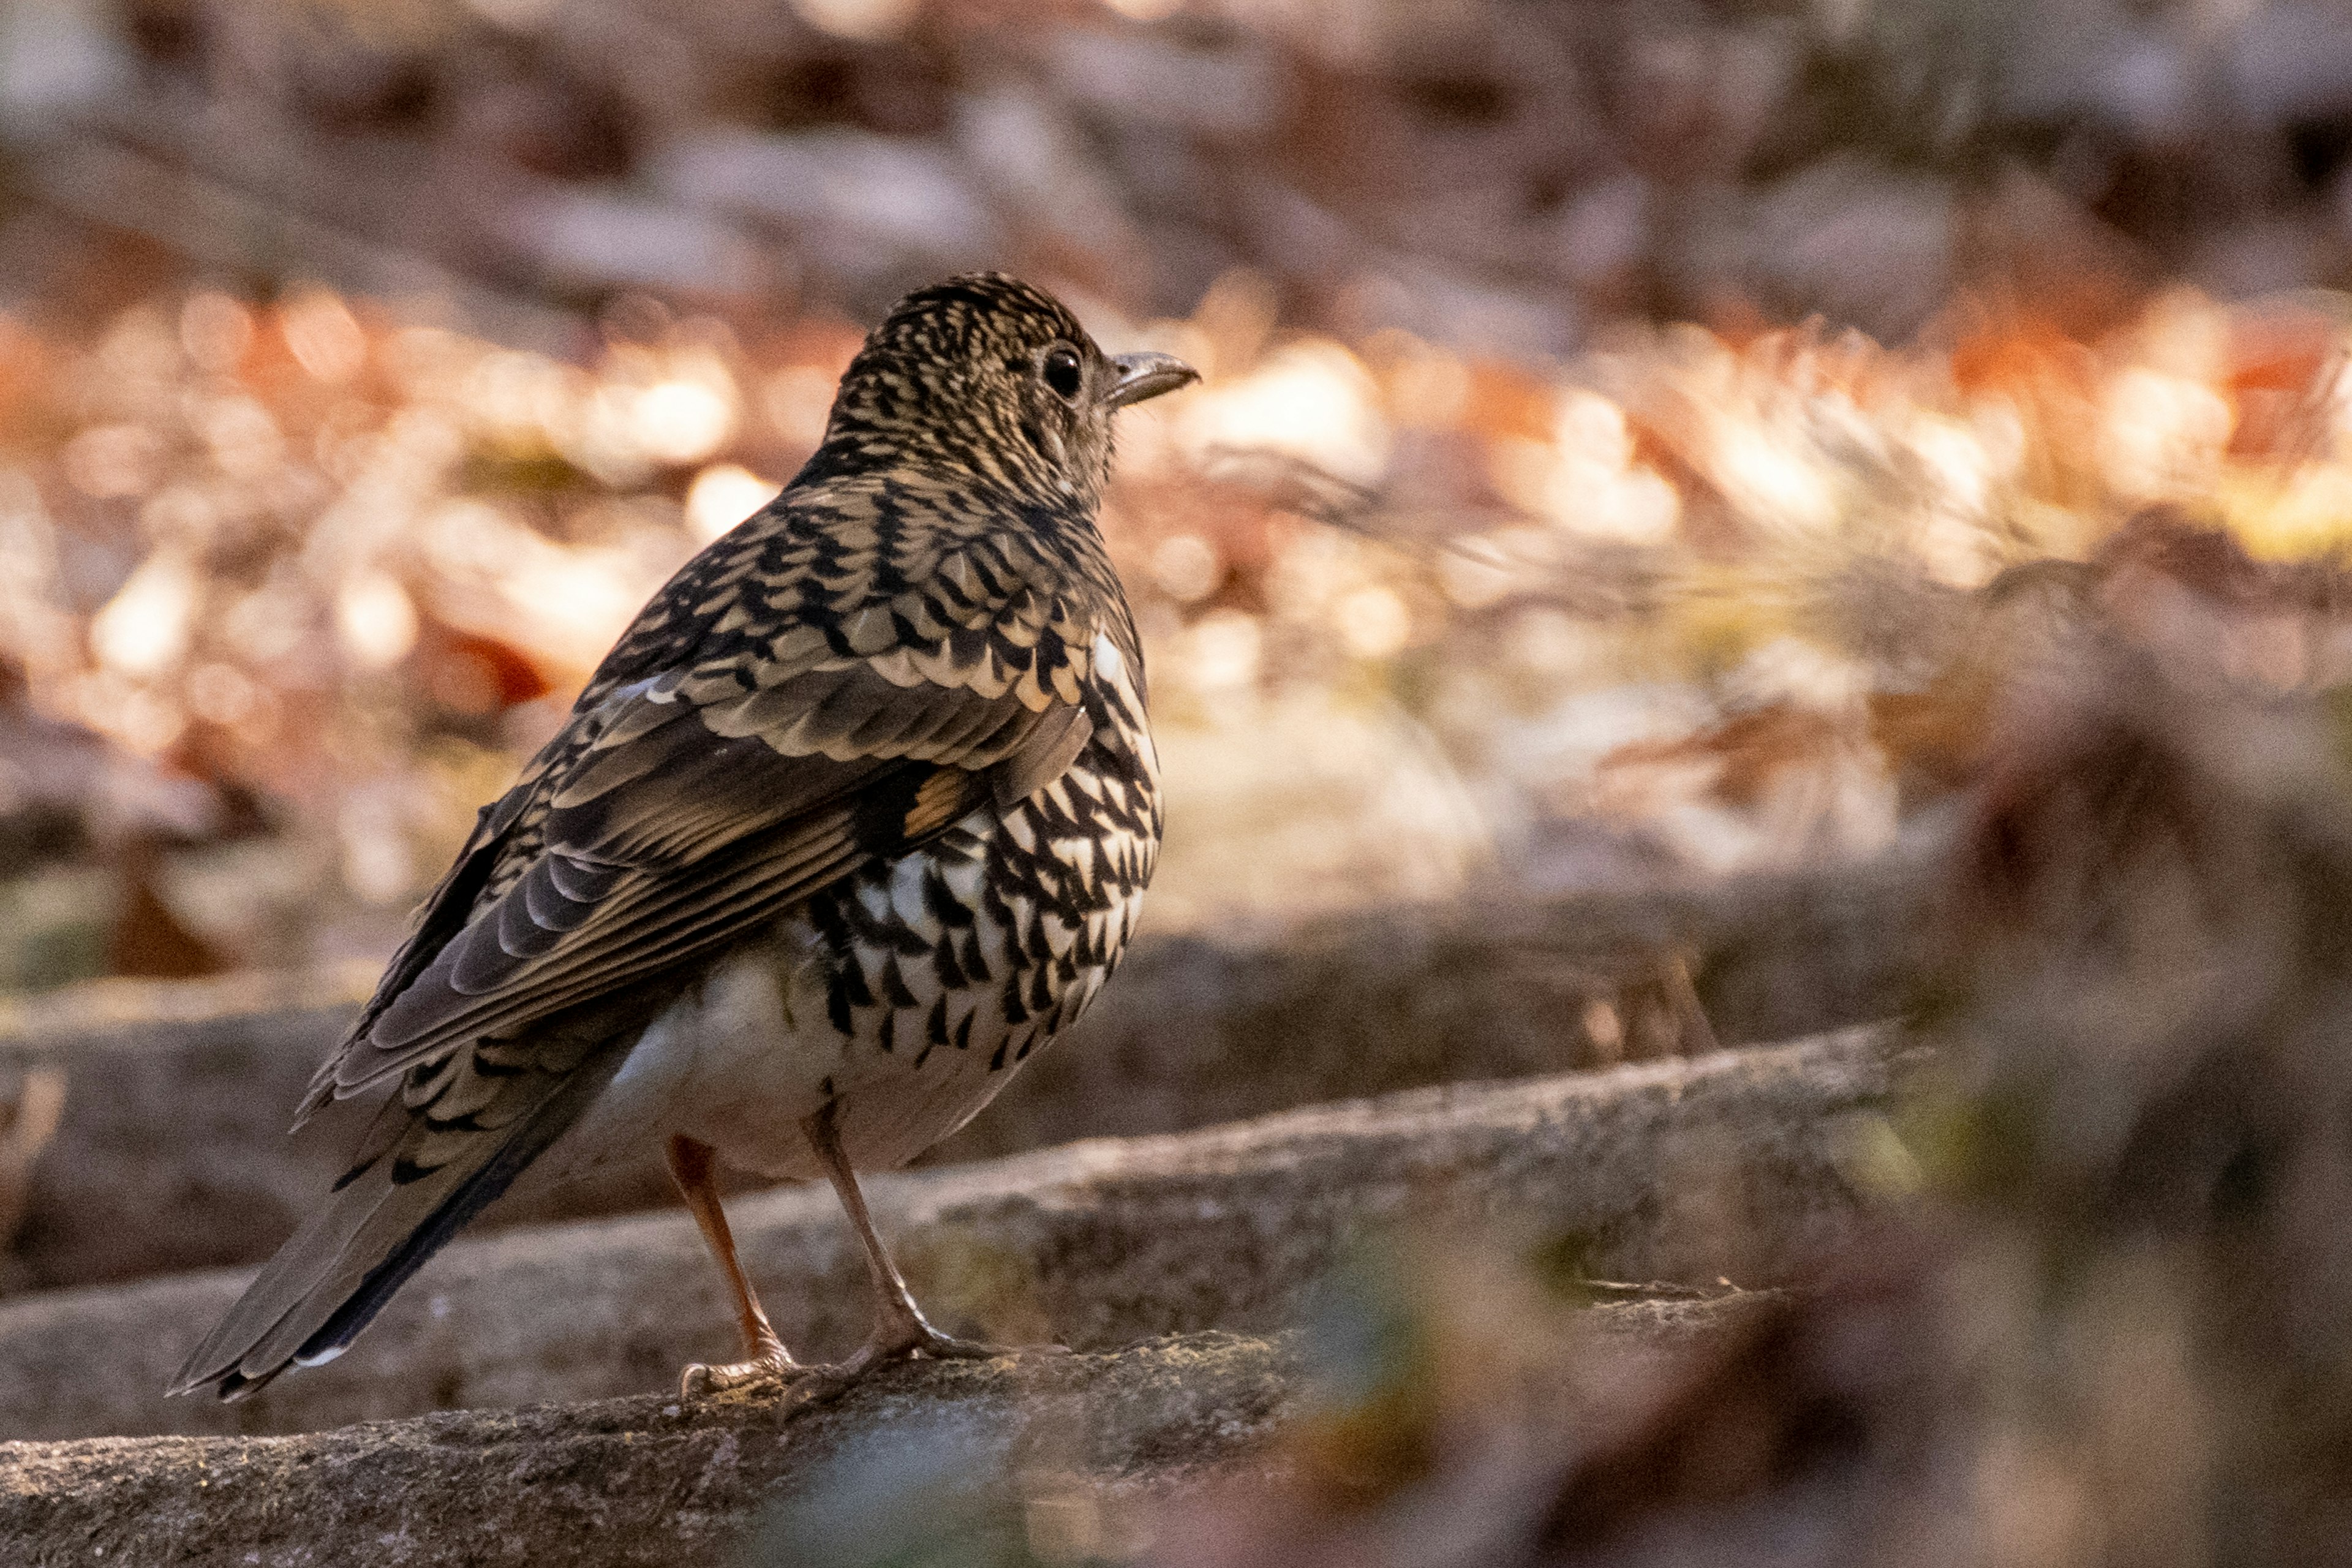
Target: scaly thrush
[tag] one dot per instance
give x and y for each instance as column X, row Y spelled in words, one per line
column 854, row 817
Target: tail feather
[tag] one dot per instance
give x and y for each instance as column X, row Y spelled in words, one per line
column 327, row 1283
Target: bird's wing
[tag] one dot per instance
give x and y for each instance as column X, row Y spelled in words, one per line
column 683, row 809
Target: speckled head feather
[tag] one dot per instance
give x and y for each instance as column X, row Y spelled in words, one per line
column 988, row 374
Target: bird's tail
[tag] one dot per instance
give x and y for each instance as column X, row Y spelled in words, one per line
column 385, row 1217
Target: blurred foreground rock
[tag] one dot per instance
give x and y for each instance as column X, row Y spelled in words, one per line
column 1741, row 1164
column 172, row 1151
column 2113, row 1326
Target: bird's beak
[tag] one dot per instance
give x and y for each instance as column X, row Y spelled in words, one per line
column 1146, row 375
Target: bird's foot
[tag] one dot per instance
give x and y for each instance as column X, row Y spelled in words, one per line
column 905, row 1333
column 901, row 1336
column 769, row 1362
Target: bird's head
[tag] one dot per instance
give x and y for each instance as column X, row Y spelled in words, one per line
column 991, row 375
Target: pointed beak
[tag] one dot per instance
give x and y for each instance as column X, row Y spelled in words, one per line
column 1146, row 375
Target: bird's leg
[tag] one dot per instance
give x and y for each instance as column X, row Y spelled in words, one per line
column 764, row 1356
column 899, row 1327
column 900, row 1330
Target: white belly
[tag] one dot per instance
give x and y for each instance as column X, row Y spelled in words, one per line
column 909, row 994
column 741, row 1060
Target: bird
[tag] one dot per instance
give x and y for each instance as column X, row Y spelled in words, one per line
column 854, row 818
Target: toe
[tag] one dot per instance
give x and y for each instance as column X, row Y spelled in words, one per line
column 823, row 1386
column 701, row 1380
column 815, row 1385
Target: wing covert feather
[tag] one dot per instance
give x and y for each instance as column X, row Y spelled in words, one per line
column 662, row 829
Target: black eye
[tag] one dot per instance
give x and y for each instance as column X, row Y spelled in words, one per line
column 1062, row 370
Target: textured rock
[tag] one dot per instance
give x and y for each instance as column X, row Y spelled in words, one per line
column 644, row 1482
column 621, row 1481
column 1737, row 1164
column 172, row 1152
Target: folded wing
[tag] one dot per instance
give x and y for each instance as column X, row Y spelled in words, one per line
column 681, row 809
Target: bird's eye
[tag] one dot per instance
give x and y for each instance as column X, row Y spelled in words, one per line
column 1062, row 370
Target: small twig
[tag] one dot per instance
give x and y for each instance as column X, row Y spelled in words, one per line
column 1662, row 1289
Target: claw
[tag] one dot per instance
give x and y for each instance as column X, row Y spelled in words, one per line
column 770, row 1364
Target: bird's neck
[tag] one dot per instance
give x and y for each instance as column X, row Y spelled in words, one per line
column 942, row 501
column 1001, row 472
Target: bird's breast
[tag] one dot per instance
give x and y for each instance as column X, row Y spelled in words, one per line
column 911, row 991
column 993, row 938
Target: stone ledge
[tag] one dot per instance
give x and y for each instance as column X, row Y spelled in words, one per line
column 623, row 1483
column 620, row 1481
column 1741, row 1164
column 173, row 1153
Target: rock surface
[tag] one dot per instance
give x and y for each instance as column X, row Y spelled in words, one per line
column 172, row 1151
column 622, row 1482
column 1740, row 1164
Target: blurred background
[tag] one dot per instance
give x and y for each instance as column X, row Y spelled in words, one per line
column 1616, row 413
column 1643, row 444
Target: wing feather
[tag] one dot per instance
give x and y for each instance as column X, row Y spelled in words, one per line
column 508, row 969
column 699, row 790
